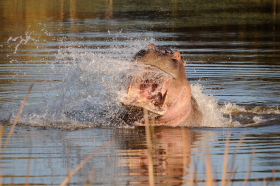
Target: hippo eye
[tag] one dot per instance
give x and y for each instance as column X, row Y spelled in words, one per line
column 175, row 63
column 141, row 53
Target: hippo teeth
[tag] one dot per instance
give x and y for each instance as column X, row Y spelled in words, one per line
column 148, row 90
column 149, row 95
column 160, row 99
column 157, row 101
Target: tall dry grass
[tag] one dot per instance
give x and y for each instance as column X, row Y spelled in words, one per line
column 2, row 149
column 150, row 148
column 17, row 117
column 72, row 173
column 228, row 173
column 2, row 130
column 229, row 164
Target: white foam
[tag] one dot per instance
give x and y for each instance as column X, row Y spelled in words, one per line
column 213, row 115
column 89, row 88
column 230, row 108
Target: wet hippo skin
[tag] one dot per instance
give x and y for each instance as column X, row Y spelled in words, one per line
column 160, row 85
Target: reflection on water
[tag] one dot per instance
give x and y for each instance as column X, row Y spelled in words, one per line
column 171, row 156
column 51, row 153
column 77, row 52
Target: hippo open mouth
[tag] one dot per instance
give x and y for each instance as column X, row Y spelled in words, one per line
column 159, row 84
column 148, row 89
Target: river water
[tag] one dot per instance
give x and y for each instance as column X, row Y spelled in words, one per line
column 77, row 54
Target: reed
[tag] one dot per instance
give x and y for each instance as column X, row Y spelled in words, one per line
column 229, row 164
column 192, row 179
column 28, row 172
column 227, row 176
column 1, row 133
column 150, row 149
column 228, row 173
column 225, row 166
column 209, row 172
column 71, row 174
column 17, row 117
column 249, row 169
column 2, row 130
column 90, row 178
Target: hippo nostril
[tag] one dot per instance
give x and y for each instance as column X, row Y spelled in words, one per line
column 160, row 99
column 143, row 86
column 154, row 87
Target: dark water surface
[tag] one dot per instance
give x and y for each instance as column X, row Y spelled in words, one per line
column 77, row 52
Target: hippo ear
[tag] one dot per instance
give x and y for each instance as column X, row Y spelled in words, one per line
column 152, row 46
column 176, row 55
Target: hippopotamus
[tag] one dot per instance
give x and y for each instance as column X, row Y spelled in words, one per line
column 160, row 86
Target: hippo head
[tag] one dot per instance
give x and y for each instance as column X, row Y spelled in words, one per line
column 160, row 86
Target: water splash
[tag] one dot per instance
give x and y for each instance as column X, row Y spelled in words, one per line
column 20, row 40
column 86, row 89
column 212, row 116
column 231, row 114
column 250, row 115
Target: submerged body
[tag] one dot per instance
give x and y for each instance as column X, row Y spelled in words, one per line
column 161, row 87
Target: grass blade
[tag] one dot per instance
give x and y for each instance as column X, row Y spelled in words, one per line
column 209, row 173
column 225, row 168
column 249, row 168
column 66, row 180
column 149, row 146
column 18, row 116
